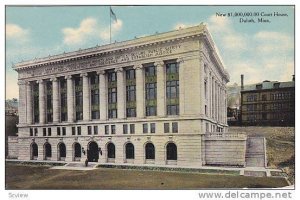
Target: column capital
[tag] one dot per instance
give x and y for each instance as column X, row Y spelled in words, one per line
column 84, row 75
column 22, row 82
column 40, row 81
column 54, row 79
column 159, row 63
column 138, row 66
column 120, row 69
column 180, row 60
column 101, row 72
column 69, row 77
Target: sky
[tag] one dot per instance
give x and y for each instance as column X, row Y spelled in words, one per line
column 260, row 51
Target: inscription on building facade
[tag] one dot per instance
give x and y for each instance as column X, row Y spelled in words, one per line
column 103, row 60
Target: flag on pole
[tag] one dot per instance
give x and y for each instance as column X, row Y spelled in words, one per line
column 113, row 15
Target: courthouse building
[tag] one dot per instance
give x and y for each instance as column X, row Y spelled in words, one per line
column 155, row 100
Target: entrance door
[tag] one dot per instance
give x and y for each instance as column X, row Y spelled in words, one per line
column 93, row 152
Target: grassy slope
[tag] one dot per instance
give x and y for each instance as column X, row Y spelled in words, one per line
column 280, row 145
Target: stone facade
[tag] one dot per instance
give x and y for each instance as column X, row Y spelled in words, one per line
column 150, row 100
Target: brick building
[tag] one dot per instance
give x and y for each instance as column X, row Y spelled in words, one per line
column 270, row 103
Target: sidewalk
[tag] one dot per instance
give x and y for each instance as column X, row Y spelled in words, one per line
column 77, row 166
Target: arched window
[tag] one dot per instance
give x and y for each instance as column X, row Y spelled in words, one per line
column 62, row 150
column 111, row 150
column 150, row 151
column 171, row 151
column 34, row 151
column 77, row 150
column 129, row 151
column 48, row 150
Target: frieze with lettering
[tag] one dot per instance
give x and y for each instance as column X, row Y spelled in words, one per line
column 103, row 60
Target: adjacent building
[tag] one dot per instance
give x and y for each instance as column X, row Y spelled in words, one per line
column 270, row 103
column 156, row 100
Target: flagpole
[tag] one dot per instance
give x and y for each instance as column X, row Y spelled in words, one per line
column 109, row 24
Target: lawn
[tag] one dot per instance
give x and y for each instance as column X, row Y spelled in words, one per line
column 41, row 177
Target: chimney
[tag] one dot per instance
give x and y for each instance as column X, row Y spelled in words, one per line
column 294, row 77
column 242, row 81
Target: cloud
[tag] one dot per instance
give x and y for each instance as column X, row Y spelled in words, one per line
column 78, row 35
column 115, row 28
column 15, row 32
column 219, row 24
column 270, row 42
column 89, row 29
column 222, row 28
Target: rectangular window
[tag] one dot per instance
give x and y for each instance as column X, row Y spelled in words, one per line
column 206, row 110
column 95, row 130
column 145, row 128
column 63, row 100
column 112, row 94
column 130, row 93
column 207, row 127
column 125, row 129
column 49, row 106
column 166, row 127
column 58, row 130
column 89, row 130
column 132, row 129
column 78, row 98
column 73, row 130
column 175, row 127
column 31, row 131
column 78, row 130
column 152, row 127
column 35, row 131
column 205, row 89
column 113, row 129
column 150, row 90
column 64, row 130
column 35, row 91
column 94, row 80
column 49, row 131
column 44, row 131
column 172, row 88
column 106, row 130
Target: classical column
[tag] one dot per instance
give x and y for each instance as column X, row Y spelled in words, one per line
column 140, row 91
column 22, row 102
column 70, row 98
column 120, row 93
column 55, row 104
column 102, row 95
column 86, row 97
column 29, row 103
column 161, row 88
column 42, row 108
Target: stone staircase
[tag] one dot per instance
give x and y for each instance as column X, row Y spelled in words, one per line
column 255, row 152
